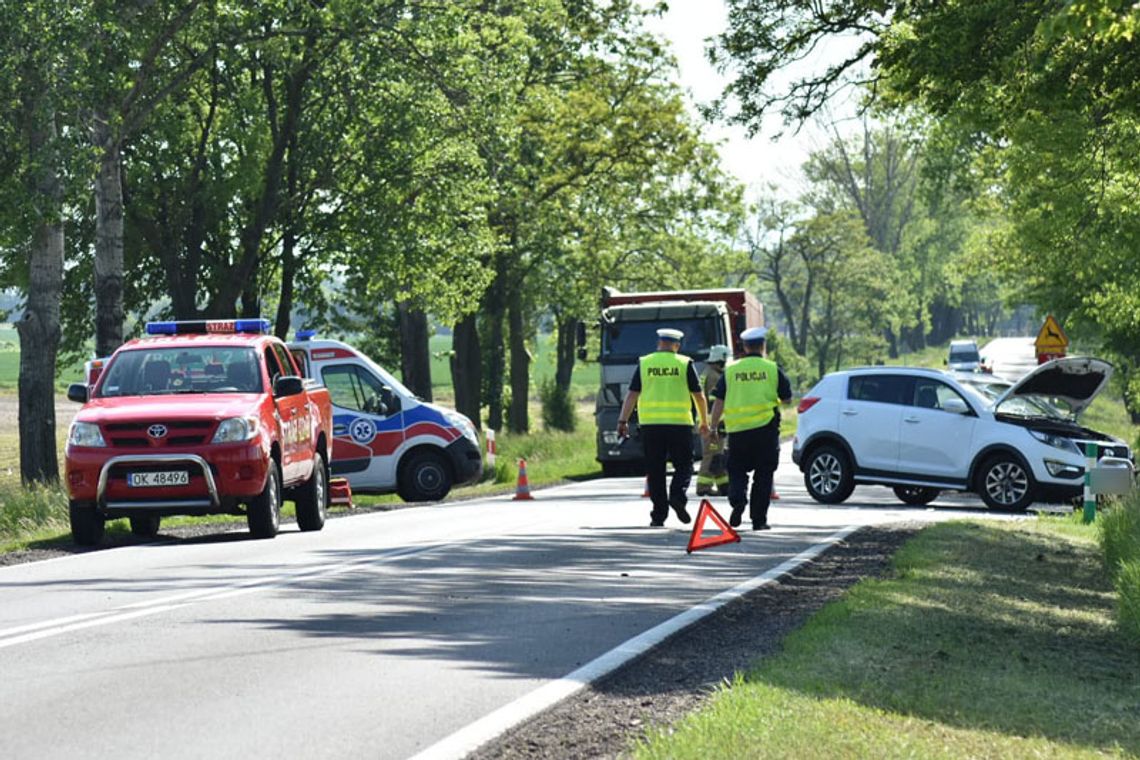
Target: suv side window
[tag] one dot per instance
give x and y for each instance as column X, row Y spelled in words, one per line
column 883, row 389
column 932, row 394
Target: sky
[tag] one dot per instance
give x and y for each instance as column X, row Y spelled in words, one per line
column 756, row 161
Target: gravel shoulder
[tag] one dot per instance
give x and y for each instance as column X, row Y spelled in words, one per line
column 673, row 679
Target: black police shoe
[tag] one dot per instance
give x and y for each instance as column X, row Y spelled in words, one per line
column 656, row 524
column 734, row 518
column 682, row 513
column 761, row 526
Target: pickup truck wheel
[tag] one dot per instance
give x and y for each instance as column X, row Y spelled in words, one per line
column 916, row 496
column 87, row 525
column 145, row 526
column 424, row 477
column 313, row 497
column 264, row 513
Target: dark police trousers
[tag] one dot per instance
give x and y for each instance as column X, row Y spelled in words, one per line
column 758, row 451
column 675, row 443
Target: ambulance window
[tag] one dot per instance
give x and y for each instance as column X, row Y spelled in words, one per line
column 352, row 387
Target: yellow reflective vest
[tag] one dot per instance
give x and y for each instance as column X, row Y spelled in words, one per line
column 665, row 398
column 751, row 397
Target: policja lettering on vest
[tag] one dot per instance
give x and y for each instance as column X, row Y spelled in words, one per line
column 664, row 390
column 748, row 397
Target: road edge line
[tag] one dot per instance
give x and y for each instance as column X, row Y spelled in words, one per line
column 492, row 725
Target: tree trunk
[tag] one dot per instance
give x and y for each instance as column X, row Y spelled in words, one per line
column 566, row 352
column 415, row 352
column 108, row 240
column 251, row 293
column 495, row 358
column 519, row 416
column 288, row 247
column 288, row 274
column 467, row 368
column 38, row 328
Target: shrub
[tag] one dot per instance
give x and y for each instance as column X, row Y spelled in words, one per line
column 1118, row 529
column 27, row 510
column 558, row 411
column 1128, row 598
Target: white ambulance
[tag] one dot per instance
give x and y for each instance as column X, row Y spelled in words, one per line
column 386, row 439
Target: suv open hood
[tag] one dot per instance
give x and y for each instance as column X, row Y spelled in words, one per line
column 1076, row 380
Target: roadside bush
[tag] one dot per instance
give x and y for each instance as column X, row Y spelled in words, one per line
column 1128, row 598
column 1118, row 529
column 558, row 412
column 26, row 511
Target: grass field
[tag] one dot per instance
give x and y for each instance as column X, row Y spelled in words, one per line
column 994, row 640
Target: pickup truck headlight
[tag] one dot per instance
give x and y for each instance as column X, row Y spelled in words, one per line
column 464, row 425
column 1056, row 441
column 235, row 429
column 85, row 434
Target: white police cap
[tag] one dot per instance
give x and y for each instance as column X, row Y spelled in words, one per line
column 754, row 334
column 668, row 333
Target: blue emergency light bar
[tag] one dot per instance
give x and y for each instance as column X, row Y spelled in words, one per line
column 306, row 334
column 208, row 326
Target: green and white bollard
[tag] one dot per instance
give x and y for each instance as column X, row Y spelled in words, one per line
column 1090, row 500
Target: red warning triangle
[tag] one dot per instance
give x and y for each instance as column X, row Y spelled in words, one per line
column 706, row 512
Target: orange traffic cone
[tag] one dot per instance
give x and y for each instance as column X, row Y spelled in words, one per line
column 522, row 490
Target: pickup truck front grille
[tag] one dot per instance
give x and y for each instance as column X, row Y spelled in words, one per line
column 134, row 435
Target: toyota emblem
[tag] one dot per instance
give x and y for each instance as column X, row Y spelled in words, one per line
column 156, row 431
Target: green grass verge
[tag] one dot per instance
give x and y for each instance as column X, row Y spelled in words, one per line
column 1118, row 528
column 994, row 640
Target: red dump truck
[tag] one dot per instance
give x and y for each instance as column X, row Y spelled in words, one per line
column 629, row 324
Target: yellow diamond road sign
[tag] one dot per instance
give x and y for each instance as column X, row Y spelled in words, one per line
column 1051, row 339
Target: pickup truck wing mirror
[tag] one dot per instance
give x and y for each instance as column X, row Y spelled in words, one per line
column 78, row 392
column 288, row 385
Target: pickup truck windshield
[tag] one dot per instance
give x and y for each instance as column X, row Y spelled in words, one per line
column 167, row 371
column 626, row 341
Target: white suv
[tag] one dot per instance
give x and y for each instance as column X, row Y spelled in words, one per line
column 924, row 431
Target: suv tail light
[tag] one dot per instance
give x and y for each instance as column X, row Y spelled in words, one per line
column 807, row 402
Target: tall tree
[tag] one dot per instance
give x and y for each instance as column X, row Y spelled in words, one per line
column 34, row 156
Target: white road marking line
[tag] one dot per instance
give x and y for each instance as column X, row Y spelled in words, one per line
column 48, row 628
column 469, row 738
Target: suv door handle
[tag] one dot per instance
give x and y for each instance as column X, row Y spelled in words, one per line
column 850, row 412
column 910, row 419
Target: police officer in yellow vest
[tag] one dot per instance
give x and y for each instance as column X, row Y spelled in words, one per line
column 665, row 388
column 749, row 396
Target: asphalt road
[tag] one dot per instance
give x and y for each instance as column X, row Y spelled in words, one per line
column 381, row 637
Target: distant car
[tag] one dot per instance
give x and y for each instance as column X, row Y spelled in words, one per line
column 922, row 431
column 964, row 356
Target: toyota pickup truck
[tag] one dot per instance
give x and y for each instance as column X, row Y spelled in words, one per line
column 198, row 418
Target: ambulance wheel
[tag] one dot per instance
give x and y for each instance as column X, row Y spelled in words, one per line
column 313, row 497
column 424, row 476
column 145, row 526
column 264, row 512
column 87, row 525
